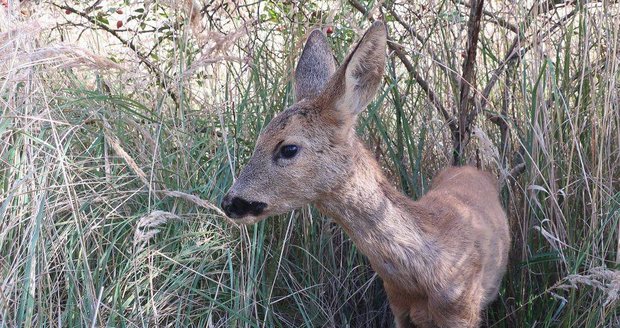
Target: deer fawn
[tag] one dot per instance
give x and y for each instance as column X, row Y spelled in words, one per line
column 441, row 258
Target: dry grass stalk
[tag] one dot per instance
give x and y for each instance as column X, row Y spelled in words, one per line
column 604, row 279
column 211, row 41
column 489, row 150
column 115, row 143
column 194, row 199
column 147, row 227
column 16, row 52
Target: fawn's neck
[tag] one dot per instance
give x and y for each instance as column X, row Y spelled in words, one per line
column 382, row 222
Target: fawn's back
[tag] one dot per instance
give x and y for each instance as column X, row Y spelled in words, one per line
column 470, row 222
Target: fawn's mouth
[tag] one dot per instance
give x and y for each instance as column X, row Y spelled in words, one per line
column 237, row 208
column 248, row 219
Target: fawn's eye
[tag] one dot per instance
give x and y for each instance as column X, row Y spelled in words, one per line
column 289, row 151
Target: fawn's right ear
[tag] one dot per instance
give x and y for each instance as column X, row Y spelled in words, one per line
column 315, row 66
column 355, row 83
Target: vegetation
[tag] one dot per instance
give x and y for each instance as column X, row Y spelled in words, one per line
column 122, row 126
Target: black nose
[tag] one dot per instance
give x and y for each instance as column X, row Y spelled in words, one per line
column 236, row 207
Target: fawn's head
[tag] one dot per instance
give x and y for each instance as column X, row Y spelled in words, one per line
column 307, row 150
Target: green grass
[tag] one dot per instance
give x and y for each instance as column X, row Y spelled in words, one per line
column 89, row 237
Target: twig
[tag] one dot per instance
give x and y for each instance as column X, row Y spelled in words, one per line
column 432, row 97
column 513, row 54
column 92, row 7
column 359, row 6
column 160, row 77
column 403, row 24
column 192, row 199
column 495, row 19
column 422, row 41
column 503, row 124
column 512, row 175
column 115, row 143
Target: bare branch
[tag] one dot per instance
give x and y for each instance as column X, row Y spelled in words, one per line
column 514, row 54
column 160, row 77
column 422, row 40
column 432, row 97
column 403, row 24
column 358, row 6
column 92, row 7
column 495, row 19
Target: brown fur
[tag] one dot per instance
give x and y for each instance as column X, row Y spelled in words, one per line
column 441, row 258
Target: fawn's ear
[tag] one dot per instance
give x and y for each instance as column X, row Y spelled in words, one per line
column 356, row 81
column 315, row 66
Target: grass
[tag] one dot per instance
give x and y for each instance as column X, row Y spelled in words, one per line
column 99, row 158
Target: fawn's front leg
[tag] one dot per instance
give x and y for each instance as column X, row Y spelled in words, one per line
column 410, row 311
column 461, row 313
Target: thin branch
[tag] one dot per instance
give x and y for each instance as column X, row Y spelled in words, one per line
column 495, row 19
column 92, row 7
column 359, row 6
column 160, row 77
column 403, row 24
column 515, row 172
column 410, row 29
column 513, row 57
column 432, row 97
column 514, row 54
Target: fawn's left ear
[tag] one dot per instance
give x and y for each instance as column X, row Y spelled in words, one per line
column 316, row 65
column 355, row 83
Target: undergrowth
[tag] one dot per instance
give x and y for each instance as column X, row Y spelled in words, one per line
column 117, row 143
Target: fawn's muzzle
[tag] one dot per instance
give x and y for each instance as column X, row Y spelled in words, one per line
column 237, row 207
